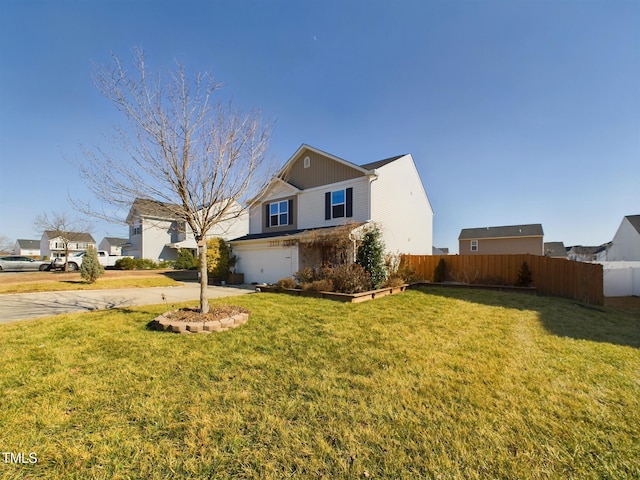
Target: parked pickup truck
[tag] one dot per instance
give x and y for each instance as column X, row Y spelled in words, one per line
column 75, row 260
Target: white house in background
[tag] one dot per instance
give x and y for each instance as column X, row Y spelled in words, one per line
column 27, row 248
column 52, row 244
column 156, row 234
column 317, row 194
column 113, row 245
column 625, row 245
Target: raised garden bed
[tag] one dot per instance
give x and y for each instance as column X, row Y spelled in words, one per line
column 499, row 288
column 340, row 297
column 190, row 321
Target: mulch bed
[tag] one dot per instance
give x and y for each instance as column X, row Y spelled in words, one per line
column 190, row 320
column 217, row 313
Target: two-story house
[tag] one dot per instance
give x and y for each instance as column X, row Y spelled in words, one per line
column 317, row 194
column 156, row 234
column 52, row 244
column 503, row 240
column 625, row 245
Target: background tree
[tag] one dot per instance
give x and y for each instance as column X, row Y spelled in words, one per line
column 181, row 147
column 91, row 270
column 64, row 226
column 6, row 245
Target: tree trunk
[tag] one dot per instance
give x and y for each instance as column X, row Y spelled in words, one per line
column 66, row 256
column 204, row 280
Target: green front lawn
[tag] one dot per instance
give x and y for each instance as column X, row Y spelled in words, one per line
column 426, row 384
column 100, row 284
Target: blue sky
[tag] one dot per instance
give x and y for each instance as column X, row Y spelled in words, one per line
column 514, row 111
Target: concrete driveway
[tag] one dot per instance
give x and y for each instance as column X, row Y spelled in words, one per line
column 24, row 306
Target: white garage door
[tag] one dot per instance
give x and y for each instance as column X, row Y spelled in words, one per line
column 267, row 264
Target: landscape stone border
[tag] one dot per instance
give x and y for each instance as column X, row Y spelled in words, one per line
column 165, row 323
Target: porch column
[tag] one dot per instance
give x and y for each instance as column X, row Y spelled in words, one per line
column 295, row 258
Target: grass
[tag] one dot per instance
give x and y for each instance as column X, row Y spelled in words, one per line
column 427, row 384
column 101, row 284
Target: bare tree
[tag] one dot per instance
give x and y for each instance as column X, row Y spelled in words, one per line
column 6, row 245
column 64, row 226
column 197, row 156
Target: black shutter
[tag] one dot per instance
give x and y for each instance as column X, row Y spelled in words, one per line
column 290, row 212
column 349, row 202
column 267, row 212
column 327, row 206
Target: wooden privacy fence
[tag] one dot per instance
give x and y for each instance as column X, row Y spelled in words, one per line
column 551, row 276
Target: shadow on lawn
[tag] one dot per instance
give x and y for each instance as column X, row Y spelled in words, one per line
column 559, row 316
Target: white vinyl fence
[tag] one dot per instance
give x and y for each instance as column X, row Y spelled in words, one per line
column 621, row 279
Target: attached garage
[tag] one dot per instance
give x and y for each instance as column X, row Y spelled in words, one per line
column 266, row 262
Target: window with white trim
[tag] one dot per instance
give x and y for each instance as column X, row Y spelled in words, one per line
column 278, row 213
column 474, row 245
column 338, row 203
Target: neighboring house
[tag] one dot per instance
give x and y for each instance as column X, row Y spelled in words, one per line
column 555, row 250
column 440, row 251
column 156, row 234
column 502, row 240
column 112, row 245
column 580, row 253
column 316, row 197
column 27, row 248
column 625, row 245
column 52, row 244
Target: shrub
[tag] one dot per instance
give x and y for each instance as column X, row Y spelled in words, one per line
column 370, row 256
column 186, row 260
column 126, row 264
column 91, row 270
column 524, row 276
column 286, row 283
column 218, row 257
column 393, row 280
column 351, row 278
column 325, row 285
column 145, row 264
column 439, row 274
column 305, row 275
column 407, row 272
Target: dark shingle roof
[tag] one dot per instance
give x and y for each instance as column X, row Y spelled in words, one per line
column 531, row 230
column 116, row 242
column 555, row 249
column 635, row 221
column 73, row 236
column 585, row 250
column 29, row 244
column 154, row 208
column 381, row 163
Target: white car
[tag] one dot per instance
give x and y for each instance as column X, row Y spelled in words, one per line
column 17, row 263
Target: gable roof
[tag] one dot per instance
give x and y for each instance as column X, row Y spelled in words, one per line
column 304, row 147
column 116, row 242
column 585, row 250
column 555, row 250
column 530, row 230
column 634, row 220
column 153, row 208
column 28, row 244
column 72, row 236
